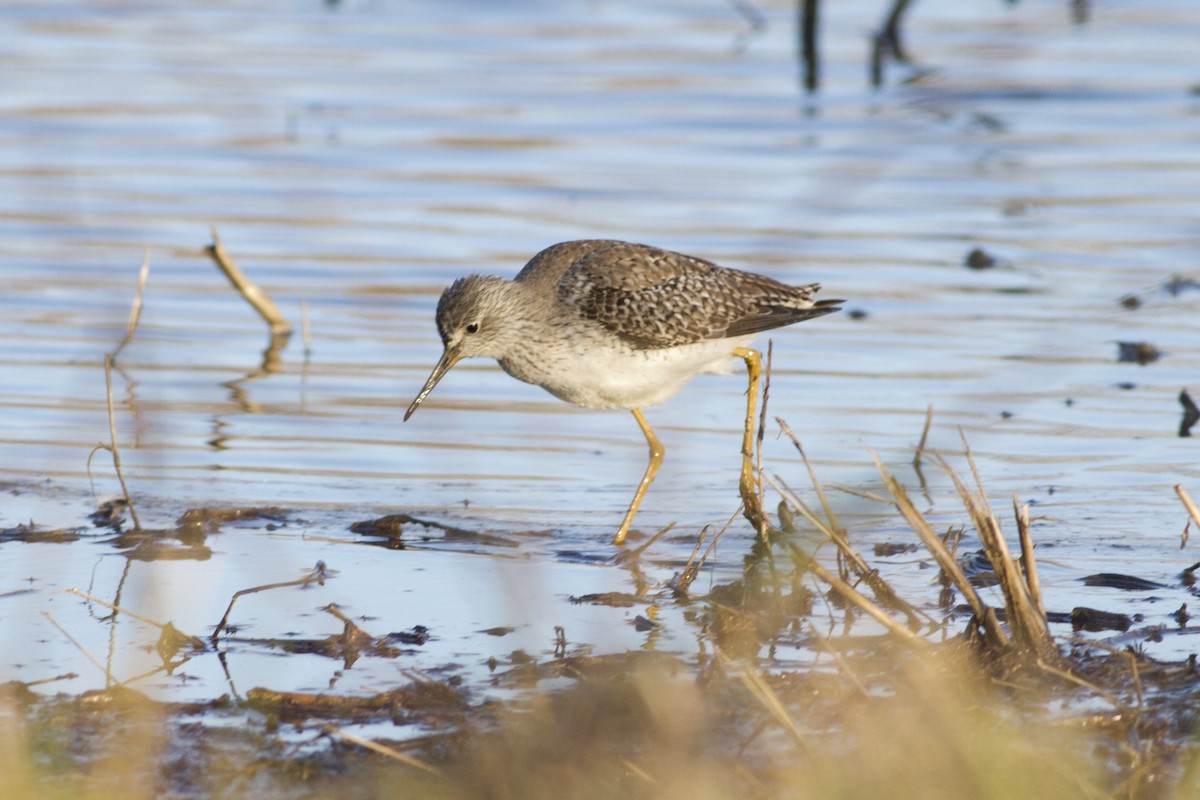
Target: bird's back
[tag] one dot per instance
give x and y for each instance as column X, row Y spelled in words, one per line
column 654, row 298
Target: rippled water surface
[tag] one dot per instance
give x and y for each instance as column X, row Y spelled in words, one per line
column 357, row 157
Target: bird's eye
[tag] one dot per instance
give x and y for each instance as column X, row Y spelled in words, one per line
column 473, row 327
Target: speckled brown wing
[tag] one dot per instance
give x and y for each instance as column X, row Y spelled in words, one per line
column 654, row 298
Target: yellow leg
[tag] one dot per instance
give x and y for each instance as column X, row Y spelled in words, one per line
column 656, row 457
column 747, row 486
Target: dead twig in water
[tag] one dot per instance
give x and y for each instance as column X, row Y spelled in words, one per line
column 627, row 556
column 135, row 313
column 253, row 295
column 112, row 446
column 692, row 569
column 318, row 575
column 165, row 627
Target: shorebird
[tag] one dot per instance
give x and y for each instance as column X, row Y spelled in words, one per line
column 609, row 324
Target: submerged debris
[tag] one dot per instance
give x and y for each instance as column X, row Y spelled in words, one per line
column 210, row 519
column 1095, row 621
column 31, row 534
column 979, row 258
column 1142, row 353
column 110, row 514
column 1115, row 580
column 1191, row 414
column 393, row 529
column 1178, row 284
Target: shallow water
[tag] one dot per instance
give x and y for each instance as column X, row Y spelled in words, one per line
column 357, row 158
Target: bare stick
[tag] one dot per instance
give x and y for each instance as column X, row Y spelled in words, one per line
column 135, row 313
column 351, row 625
column 383, row 750
column 66, row 676
column 318, row 575
column 194, row 641
column 107, row 675
column 632, row 555
column 112, row 433
column 255, row 296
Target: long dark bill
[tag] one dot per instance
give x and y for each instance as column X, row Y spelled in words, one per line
column 448, row 360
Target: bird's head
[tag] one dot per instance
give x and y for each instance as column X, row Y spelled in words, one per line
column 471, row 317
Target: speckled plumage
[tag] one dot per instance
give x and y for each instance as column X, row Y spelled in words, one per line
column 609, row 324
column 653, row 298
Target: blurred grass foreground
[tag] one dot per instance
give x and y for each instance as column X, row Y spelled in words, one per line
column 921, row 706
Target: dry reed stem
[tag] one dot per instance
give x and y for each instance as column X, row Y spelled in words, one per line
column 857, row 598
column 637, row 772
column 793, row 499
column 108, row 677
column 692, row 570
column 1027, row 557
column 381, row 749
column 1027, row 625
column 66, row 676
column 632, row 555
column 1071, row 677
column 837, row 534
column 333, row 609
column 769, row 700
column 305, row 333
column 253, row 295
column 194, row 641
column 924, row 438
column 317, row 575
column 812, row 475
column 837, row 657
column 135, row 312
column 1121, row 652
column 112, row 448
column 933, row 543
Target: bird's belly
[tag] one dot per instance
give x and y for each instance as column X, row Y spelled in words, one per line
column 619, row 378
